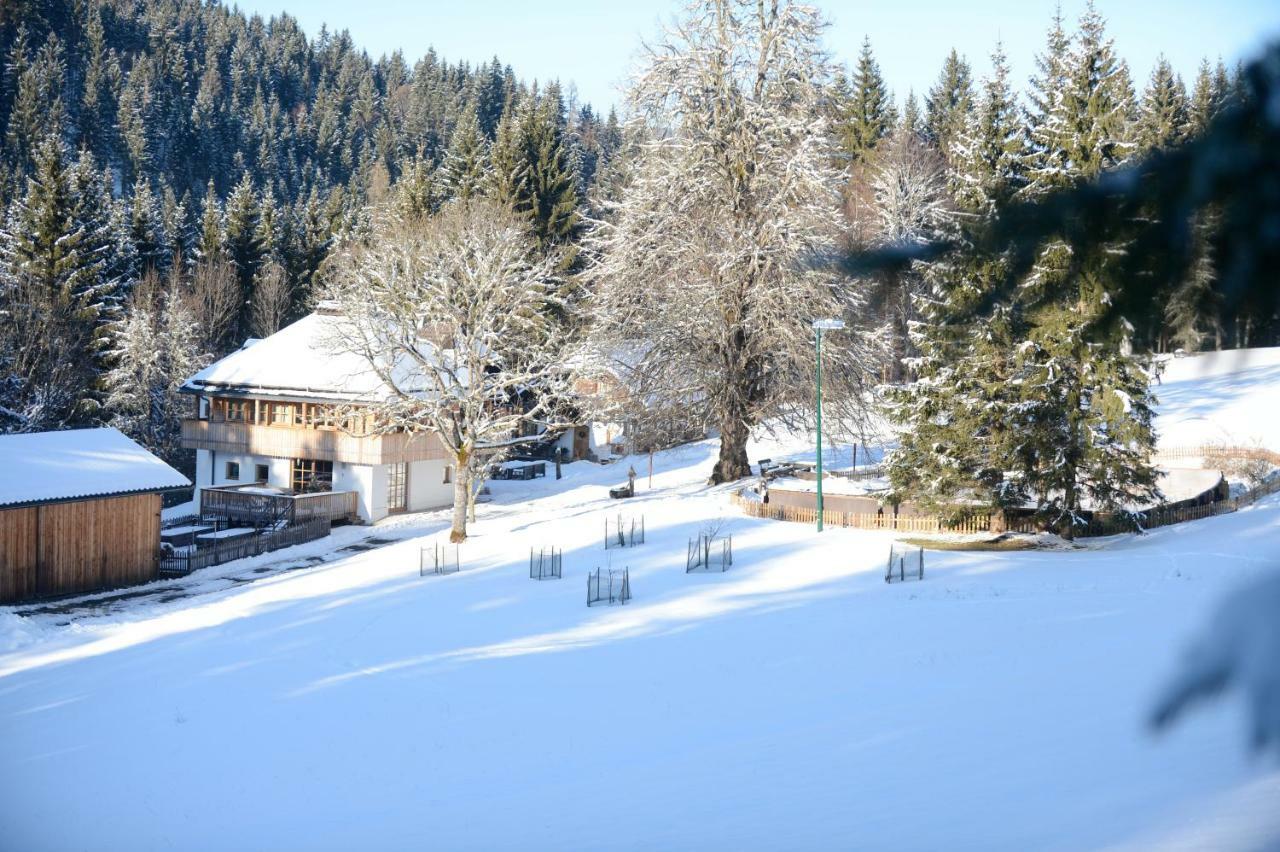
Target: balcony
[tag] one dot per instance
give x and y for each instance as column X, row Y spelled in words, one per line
column 292, row 442
column 262, row 506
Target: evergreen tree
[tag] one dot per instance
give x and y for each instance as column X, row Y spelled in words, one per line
column 948, row 102
column 154, row 350
column 1085, row 406
column 37, row 111
column 1208, row 96
column 553, row 192
column 1044, row 130
column 416, row 193
column 1164, row 119
column 466, row 162
column 957, row 441
column 986, row 165
column 868, row 115
column 912, row 122
column 508, row 179
column 1192, row 313
column 212, row 241
column 244, row 246
column 56, row 293
column 150, row 239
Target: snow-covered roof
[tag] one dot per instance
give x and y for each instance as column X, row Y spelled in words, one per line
column 42, row 467
column 872, row 486
column 1185, row 483
column 304, row 359
column 619, row 360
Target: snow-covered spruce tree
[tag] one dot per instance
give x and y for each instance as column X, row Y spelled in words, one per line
column 956, row 441
column 1163, row 117
column 868, row 113
column 467, row 159
column 154, row 349
column 1084, row 412
column 711, row 263
column 451, row 312
column 244, row 247
column 948, row 103
column 58, row 301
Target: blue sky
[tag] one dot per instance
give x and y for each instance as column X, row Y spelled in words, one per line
column 593, row 43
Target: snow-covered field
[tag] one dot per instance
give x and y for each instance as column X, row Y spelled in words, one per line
column 793, row 702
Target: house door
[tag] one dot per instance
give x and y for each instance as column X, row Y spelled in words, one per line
column 581, row 442
column 397, row 487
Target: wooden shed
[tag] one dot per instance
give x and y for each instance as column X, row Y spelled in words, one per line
column 79, row 511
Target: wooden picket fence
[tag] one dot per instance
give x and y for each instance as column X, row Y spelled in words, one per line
column 859, row 520
column 183, row 562
column 1102, row 523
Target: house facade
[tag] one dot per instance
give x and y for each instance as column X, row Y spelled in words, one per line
column 290, row 415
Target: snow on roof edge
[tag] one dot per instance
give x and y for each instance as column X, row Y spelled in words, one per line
column 79, row 464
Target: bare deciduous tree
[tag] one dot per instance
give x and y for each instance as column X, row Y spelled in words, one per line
column 712, row 257
column 271, row 300
column 215, row 297
column 911, row 207
column 451, row 313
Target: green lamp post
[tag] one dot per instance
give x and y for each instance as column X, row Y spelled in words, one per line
column 820, row 326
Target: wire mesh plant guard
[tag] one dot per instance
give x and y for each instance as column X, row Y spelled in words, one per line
column 609, row 586
column 905, row 563
column 546, row 563
column 439, row 559
column 707, row 552
column 623, row 532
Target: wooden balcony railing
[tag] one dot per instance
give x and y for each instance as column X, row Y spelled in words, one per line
column 250, row 505
column 293, row 442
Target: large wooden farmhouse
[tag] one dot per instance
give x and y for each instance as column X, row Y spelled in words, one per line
column 286, row 417
column 79, row 511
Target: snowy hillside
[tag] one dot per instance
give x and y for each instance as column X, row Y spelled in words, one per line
column 793, row 702
column 1220, row 397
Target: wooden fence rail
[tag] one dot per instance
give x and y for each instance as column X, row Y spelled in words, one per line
column 1102, row 523
column 184, row 562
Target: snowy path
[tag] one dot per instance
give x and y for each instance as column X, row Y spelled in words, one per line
column 794, row 702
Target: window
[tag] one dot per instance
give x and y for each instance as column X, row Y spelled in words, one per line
column 236, row 411
column 281, row 414
column 233, row 470
column 448, row 474
column 311, row 475
column 396, row 476
column 260, row 473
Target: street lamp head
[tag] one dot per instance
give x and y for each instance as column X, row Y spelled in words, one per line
column 828, row 324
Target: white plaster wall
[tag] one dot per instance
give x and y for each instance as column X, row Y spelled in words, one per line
column 359, row 478
column 427, row 488
column 378, row 492
column 211, row 469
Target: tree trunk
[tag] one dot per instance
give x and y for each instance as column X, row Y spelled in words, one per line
column 474, row 484
column 461, row 492
column 732, row 464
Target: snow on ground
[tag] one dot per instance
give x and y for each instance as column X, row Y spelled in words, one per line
column 795, row 701
column 1220, row 397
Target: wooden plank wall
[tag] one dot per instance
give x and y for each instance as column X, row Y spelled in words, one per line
column 61, row 548
column 18, row 548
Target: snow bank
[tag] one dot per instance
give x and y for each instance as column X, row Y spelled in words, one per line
column 15, row 632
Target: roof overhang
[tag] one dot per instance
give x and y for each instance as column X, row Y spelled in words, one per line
column 85, row 498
